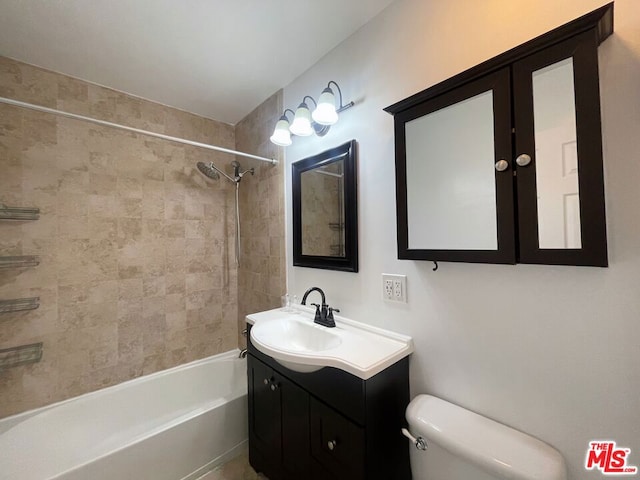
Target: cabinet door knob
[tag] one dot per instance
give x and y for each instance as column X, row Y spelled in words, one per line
column 266, row 381
column 331, row 444
column 274, row 387
column 502, row 165
column 523, row 160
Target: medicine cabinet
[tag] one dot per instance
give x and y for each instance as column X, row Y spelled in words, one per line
column 503, row 162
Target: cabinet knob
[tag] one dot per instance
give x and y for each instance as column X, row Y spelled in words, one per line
column 266, row 381
column 502, row 165
column 274, row 387
column 523, row 160
column 331, row 444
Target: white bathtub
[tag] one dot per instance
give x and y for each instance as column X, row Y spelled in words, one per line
column 171, row 425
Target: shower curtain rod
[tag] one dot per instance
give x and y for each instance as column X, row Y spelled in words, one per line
column 17, row 103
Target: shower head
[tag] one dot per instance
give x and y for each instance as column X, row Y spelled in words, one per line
column 237, row 173
column 236, row 170
column 208, row 171
column 211, row 171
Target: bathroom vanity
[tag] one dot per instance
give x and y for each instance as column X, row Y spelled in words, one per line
column 329, row 423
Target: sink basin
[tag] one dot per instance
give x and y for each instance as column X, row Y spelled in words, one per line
column 284, row 337
column 294, row 341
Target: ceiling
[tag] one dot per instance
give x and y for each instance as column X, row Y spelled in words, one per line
column 216, row 58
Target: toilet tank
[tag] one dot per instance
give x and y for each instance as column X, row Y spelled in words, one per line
column 463, row 445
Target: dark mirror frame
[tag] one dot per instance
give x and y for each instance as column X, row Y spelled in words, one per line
column 348, row 263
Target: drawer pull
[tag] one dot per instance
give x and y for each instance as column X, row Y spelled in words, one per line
column 331, row 444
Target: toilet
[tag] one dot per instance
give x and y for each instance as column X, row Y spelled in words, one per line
column 452, row 443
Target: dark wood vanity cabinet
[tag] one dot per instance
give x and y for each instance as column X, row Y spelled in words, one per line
column 326, row 425
column 503, row 162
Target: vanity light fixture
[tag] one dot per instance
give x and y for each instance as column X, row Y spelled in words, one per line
column 306, row 123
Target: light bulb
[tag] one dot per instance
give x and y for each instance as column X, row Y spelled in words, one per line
column 325, row 113
column 281, row 135
column 301, row 125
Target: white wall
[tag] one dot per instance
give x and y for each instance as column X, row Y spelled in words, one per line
column 552, row 351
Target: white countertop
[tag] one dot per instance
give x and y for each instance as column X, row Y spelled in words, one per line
column 364, row 351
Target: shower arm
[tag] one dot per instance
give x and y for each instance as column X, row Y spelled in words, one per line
column 222, row 173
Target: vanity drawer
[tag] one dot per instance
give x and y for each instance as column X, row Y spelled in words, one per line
column 336, row 443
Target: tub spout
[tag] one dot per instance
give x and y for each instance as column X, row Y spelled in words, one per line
column 243, row 353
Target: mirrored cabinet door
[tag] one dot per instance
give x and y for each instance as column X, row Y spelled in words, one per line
column 558, row 152
column 454, row 182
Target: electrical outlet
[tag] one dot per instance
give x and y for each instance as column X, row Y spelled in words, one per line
column 398, row 291
column 387, row 285
column 394, row 287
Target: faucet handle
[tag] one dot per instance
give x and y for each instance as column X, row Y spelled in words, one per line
column 330, row 313
column 318, row 315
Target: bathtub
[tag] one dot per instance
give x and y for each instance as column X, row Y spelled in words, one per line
column 172, row 425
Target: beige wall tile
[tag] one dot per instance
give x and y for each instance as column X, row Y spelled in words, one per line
column 137, row 271
column 259, row 276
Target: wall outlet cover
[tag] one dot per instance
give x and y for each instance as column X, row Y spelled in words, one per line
column 394, row 287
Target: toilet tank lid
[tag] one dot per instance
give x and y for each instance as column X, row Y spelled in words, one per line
column 492, row 446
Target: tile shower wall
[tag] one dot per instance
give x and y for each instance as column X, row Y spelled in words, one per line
column 262, row 273
column 136, row 247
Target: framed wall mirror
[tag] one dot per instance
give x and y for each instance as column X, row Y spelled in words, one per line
column 325, row 210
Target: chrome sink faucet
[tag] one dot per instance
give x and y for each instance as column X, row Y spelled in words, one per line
column 324, row 313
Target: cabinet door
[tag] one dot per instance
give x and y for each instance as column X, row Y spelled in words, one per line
column 337, row 444
column 265, row 413
column 295, row 428
column 278, row 423
column 454, row 182
column 558, row 150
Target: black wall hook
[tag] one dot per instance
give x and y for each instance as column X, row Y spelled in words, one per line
column 435, row 266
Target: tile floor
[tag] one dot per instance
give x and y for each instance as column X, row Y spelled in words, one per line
column 236, row 469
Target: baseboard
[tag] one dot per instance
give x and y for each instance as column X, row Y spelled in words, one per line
column 216, row 462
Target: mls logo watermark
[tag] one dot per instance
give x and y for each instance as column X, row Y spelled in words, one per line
column 609, row 459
